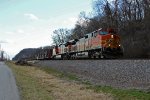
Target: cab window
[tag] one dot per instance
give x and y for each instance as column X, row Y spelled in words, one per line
column 103, row 32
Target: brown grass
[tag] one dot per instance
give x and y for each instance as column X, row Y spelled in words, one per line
column 56, row 88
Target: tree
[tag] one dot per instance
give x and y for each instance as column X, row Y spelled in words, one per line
column 81, row 25
column 61, row 36
column 130, row 17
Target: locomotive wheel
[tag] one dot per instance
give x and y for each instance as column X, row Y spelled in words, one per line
column 89, row 56
column 62, row 57
column 101, row 56
column 68, row 57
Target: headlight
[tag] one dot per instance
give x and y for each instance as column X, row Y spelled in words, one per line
column 119, row 45
column 112, row 36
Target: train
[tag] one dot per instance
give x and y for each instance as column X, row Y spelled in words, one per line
column 102, row 43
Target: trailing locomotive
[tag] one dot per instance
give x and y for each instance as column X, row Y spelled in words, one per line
column 98, row 44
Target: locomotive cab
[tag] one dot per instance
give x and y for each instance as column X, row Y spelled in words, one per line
column 103, row 43
column 112, row 46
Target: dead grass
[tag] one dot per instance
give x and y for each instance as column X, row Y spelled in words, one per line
column 36, row 84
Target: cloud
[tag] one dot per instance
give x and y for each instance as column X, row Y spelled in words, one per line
column 31, row 16
column 9, row 33
column 3, row 41
column 73, row 19
column 70, row 21
column 20, row 31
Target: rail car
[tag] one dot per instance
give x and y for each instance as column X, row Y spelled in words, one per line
column 98, row 44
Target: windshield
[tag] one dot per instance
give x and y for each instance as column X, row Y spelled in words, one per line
column 103, row 32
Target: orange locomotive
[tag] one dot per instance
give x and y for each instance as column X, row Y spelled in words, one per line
column 98, row 44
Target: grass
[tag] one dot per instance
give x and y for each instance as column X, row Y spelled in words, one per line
column 119, row 94
column 48, row 84
column 29, row 87
column 60, row 74
column 32, row 90
column 122, row 94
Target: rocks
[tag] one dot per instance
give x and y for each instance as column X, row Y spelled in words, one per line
column 116, row 73
column 23, row 63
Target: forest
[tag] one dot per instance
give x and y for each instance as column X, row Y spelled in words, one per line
column 131, row 18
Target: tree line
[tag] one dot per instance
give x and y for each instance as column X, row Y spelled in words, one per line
column 130, row 17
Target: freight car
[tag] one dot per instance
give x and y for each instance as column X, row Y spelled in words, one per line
column 98, row 44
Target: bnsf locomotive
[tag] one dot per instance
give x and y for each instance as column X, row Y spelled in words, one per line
column 98, row 44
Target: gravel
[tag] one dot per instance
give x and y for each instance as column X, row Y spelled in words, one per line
column 130, row 74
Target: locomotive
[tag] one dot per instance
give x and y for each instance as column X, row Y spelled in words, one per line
column 102, row 43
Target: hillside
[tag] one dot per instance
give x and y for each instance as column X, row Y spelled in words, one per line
column 25, row 53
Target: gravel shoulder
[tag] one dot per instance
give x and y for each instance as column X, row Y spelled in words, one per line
column 8, row 88
column 125, row 74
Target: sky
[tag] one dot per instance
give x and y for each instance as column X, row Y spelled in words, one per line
column 30, row 23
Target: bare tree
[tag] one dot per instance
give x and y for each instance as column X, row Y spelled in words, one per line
column 61, row 36
column 131, row 17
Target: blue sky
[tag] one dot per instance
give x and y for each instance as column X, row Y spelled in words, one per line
column 30, row 23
